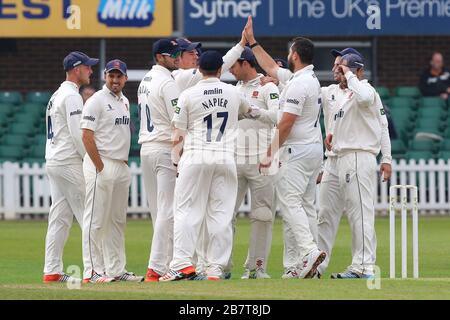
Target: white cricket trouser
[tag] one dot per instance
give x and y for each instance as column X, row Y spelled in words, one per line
column 261, row 215
column 105, row 217
column 291, row 254
column 204, row 192
column 290, row 251
column 200, row 257
column 331, row 209
column 159, row 178
column 357, row 180
column 67, row 192
column 296, row 190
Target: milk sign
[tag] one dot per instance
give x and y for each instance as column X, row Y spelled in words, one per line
column 126, row 13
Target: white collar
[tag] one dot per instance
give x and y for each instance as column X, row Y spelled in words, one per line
column 308, row 68
column 71, row 84
column 209, row 80
column 112, row 94
column 162, row 69
column 254, row 82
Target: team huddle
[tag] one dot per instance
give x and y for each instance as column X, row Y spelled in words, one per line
column 204, row 144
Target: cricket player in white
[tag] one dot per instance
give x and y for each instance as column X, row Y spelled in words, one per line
column 187, row 76
column 330, row 194
column 107, row 137
column 158, row 97
column 64, row 153
column 331, row 197
column 208, row 114
column 253, row 140
column 355, row 137
column 291, row 257
column 300, row 135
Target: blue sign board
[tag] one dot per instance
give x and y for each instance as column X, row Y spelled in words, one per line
column 317, row 17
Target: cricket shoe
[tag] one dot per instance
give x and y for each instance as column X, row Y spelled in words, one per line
column 199, row 277
column 259, row 273
column 152, row 276
column 291, row 273
column 350, row 275
column 98, row 278
column 60, row 277
column 129, row 276
column 204, row 276
column 310, row 263
column 175, row 275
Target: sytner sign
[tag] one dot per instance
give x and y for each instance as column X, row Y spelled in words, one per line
column 318, row 17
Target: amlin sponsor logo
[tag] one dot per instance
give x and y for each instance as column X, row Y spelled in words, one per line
column 126, row 13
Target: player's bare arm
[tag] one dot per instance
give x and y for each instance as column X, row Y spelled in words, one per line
column 328, row 141
column 232, row 55
column 268, row 79
column 243, row 41
column 91, row 148
column 386, row 171
column 264, row 59
column 319, row 178
column 177, row 145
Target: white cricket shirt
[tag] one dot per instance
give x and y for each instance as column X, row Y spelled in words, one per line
column 108, row 115
column 301, row 97
column 209, row 113
column 331, row 97
column 255, row 135
column 64, row 145
column 357, row 125
column 157, row 97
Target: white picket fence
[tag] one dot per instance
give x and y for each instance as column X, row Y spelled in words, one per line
column 24, row 190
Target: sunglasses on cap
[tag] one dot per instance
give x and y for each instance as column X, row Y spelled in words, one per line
column 173, row 55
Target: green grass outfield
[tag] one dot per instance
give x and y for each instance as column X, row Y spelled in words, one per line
column 22, row 255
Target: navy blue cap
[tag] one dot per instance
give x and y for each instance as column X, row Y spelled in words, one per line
column 353, row 60
column 187, row 45
column 336, row 53
column 282, row 61
column 167, row 46
column 247, row 55
column 116, row 64
column 210, row 60
column 77, row 58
